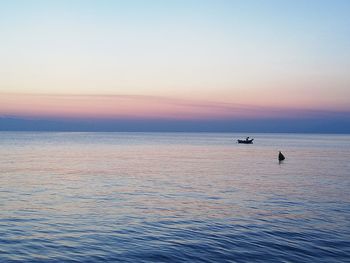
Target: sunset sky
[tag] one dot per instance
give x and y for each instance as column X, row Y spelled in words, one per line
column 178, row 60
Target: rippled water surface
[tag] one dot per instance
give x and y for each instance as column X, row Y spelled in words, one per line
column 173, row 197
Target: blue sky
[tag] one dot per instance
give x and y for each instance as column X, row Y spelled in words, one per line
column 287, row 55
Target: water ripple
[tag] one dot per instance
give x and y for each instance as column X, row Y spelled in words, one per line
column 173, row 198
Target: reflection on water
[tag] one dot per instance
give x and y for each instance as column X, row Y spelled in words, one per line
column 141, row 197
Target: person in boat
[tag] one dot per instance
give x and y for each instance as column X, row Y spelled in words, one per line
column 247, row 139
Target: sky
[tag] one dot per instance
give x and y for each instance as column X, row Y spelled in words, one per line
column 173, row 62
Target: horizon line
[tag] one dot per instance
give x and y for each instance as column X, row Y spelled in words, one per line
column 265, row 125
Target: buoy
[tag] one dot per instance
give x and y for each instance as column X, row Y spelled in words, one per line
column 281, row 156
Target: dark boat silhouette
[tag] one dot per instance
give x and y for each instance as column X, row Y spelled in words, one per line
column 246, row 141
column 281, row 156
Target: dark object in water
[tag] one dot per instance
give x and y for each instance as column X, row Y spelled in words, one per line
column 246, row 141
column 281, row 157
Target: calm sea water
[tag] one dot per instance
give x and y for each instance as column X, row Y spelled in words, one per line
column 173, row 197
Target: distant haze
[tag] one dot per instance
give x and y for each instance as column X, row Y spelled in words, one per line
column 194, row 65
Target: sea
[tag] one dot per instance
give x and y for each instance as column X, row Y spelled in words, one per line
column 173, row 197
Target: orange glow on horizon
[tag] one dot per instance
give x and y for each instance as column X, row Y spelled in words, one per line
column 129, row 106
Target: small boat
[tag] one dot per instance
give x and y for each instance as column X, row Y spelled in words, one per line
column 246, row 141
